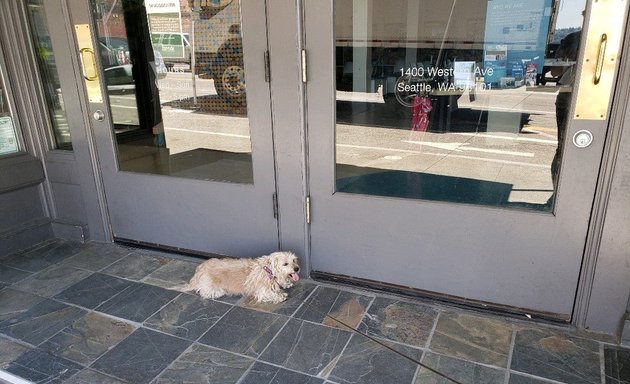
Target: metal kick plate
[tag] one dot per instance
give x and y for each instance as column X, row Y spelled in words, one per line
column 88, row 62
column 601, row 52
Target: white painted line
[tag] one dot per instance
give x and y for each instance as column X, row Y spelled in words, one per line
column 445, row 155
column 460, row 147
column 209, row 133
column 501, row 137
column 6, row 376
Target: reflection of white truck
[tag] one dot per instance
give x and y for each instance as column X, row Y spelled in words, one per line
column 215, row 37
column 218, row 47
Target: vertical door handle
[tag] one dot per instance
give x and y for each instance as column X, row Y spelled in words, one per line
column 92, row 57
column 601, row 53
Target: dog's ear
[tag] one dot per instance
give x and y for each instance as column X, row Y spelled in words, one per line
column 274, row 259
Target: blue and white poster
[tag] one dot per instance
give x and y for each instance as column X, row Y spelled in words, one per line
column 515, row 36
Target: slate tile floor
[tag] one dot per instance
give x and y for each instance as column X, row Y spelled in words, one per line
column 102, row 313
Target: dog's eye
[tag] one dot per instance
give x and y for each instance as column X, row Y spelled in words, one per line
column 285, row 264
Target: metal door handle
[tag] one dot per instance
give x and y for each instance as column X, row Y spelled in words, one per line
column 601, row 53
column 94, row 68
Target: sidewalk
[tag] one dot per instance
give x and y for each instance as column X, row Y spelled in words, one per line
column 101, row 313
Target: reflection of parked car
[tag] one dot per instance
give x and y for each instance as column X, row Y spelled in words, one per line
column 219, row 48
column 114, row 53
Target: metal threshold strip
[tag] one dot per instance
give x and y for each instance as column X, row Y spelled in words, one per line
column 458, row 301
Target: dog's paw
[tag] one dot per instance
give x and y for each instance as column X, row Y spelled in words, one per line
column 279, row 298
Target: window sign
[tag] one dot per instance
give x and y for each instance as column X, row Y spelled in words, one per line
column 8, row 139
column 522, row 28
column 165, row 24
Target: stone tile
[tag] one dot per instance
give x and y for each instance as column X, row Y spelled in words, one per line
column 88, row 338
column 556, row 356
column 364, row 361
column 201, row 364
column 325, row 303
column 96, row 256
column 138, row 302
column 88, row 376
column 43, row 257
column 617, row 365
column 234, row 300
column 399, row 321
column 244, row 331
column 52, row 280
column 40, row 322
column 40, row 367
column 307, row 347
column 174, row 273
column 261, row 373
column 465, row 372
column 94, row 290
column 141, row 356
column 9, row 275
column 474, row 338
column 9, row 351
column 297, row 295
column 188, row 316
column 136, row 266
column 520, row 379
column 13, row 302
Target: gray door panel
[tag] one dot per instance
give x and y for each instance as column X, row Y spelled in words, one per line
column 199, row 176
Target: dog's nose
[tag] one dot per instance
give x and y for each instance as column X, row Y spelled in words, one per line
column 296, row 269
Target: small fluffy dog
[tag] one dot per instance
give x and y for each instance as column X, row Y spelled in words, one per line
column 262, row 278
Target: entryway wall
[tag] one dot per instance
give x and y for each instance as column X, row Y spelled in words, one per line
column 48, row 192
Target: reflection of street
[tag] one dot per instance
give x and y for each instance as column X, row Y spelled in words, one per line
column 211, row 124
column 124, row 109
column 500, row 136
column 503, row 136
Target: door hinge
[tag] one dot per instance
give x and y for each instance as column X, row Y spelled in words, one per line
column 275, row 206
column 308, row 209
column 267, row 67
column 304, row 78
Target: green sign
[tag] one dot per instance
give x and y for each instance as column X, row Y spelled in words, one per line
column 165, row 24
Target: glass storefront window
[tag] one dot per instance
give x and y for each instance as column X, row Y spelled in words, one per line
column 176, row 87
column 49, row 75
column 9, row 142
column 454, row 101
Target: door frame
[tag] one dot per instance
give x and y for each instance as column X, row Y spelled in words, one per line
column 589, row 311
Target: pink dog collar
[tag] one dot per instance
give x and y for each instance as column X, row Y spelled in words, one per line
column 269, row 273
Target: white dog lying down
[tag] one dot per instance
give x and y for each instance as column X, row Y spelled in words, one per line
column 262, row 278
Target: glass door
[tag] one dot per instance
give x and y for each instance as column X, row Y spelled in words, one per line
column 172, row 88
column 455, row 147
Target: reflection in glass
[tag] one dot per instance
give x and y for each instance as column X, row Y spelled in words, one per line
column 454, row 101
column 48, row 72
column 176, row 87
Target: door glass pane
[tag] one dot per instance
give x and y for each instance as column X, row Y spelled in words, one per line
column 8, row 135
column 176, row 87
column 48, row 72
column 454, row 101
